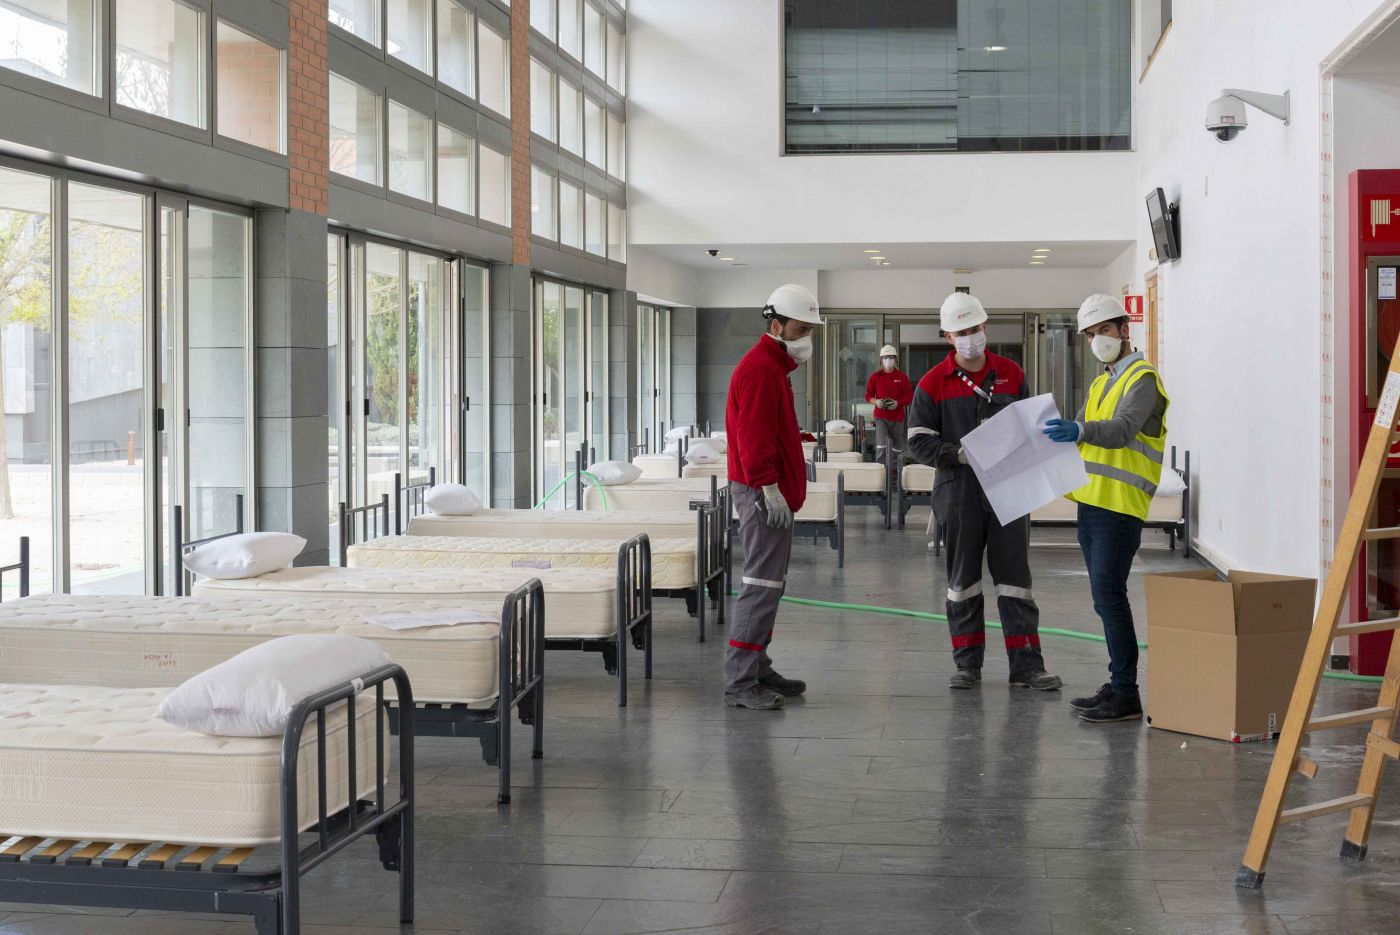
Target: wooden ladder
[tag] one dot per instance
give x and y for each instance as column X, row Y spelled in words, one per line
column 1300, row 719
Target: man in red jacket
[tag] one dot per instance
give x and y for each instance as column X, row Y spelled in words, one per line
column 891, row 391
column 768, row 479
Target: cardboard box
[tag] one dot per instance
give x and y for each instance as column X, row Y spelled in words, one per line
column 1223, row 655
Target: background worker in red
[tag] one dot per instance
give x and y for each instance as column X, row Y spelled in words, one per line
column 891, row 391
column 970, row 386
column 768, row 480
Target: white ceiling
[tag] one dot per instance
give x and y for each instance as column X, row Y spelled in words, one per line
column 833, row 256
column 1380, row 57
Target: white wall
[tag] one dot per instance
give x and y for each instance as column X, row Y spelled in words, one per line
column 657, row 278
column 750, row 288
column 1240, row 311
column 705, row 112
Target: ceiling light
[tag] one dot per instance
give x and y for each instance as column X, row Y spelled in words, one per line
column 885, row 263
column 877, row 258
column 994, row 48
column 872, row 251
column 1041, row 250
column 727, row 259
column 1037, row 262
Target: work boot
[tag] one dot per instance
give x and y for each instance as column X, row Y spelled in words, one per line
column 790, row 688
column 1040, row 680
column 755, row 697
column 1092, row 701
column 965, row 678
column 1116, row 708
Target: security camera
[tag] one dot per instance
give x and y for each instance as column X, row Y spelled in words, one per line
column 712, row 252
column 1228, row 116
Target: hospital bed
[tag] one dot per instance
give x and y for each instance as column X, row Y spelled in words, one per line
column 468, row 677
column 866, row 482
column 107, row 805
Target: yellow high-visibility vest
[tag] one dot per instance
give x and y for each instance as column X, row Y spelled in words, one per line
column 1122, row 479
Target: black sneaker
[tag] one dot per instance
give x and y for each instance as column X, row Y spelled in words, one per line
column 1040, row 680
column 755, row 697
column 1116, row 708
column 1092, row 701
column 790, row 688
column 965, row 678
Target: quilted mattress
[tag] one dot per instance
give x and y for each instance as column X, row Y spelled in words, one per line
column 672, row 560
column 843, row 442
column 149, row 642
column 95, row 764
column 579, row 603
column 1165, row 509
column 677, row 494
column 845, row 457
column 719, row 469
column 616, row 525
column 656, row 465
column 860, row 478
column 917, row 478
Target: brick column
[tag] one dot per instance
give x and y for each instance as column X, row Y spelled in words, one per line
column 520, row 131
column 308, row 104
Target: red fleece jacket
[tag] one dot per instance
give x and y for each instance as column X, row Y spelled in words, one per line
column 764, row 447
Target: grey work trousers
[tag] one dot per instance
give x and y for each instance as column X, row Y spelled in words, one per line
column 766, row 552
column 889, row 432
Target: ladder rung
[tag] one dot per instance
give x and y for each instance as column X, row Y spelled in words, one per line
column 1346, row 718
column 1386, row 746
column 1381, row 532
column 1305, row 767
column 1304, row 812
column 1369, row 626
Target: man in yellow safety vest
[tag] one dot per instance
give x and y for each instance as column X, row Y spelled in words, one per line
column 1121, row 432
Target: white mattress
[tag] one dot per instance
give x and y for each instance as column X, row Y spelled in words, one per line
column 719, row 469
column 656, row 465
column 617, row 525
column 845, row 457
column 672, row 560
column 860, row 478
column 95, row 764
column 148, row 642
column 917, row 478
column 677, row 494
column 579, row 603
column 846, row 441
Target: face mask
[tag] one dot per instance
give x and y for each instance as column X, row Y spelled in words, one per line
column 1106, row 347
column 971, row 346
column 887, row 364
column 800, row 350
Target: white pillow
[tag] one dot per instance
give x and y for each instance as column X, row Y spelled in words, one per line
column 680, row 431
column 451, row 500
column 839, row 427
column 613, row 473
column 718, row 444
column 720, row 435
column 1171, row 484
column 673, row 449
column 246, row 555
column 252, row 694
column 701, row 453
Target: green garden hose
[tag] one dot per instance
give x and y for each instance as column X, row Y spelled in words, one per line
column 592, row 479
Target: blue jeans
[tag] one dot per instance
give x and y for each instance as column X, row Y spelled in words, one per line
column 1110, row 540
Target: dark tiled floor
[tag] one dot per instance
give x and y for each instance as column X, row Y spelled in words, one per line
column 882, row 803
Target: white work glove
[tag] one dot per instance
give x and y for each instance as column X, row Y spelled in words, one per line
column 890, row 404
column 962, row 456
column 779, row 513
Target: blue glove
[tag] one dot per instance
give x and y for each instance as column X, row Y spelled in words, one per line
column 1062, row 430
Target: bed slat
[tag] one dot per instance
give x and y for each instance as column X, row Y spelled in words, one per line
column 157, row 858
column 51, row 853
column 195, row 859
column 84, row 856
column 18, row 849
column 231, row 861
column 121, row 855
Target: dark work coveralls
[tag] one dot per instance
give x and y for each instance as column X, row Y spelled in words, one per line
column 948, row 404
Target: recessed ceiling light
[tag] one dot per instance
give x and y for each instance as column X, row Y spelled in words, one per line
column 727, row 259
column 872, row 251
column 877, row 258
column 994, row 48
column 885, row 263
column 1037, row 263
column 1041, row 250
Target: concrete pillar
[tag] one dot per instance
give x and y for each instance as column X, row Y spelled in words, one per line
column 292, row 406
column 512, row 405
column 622, row 376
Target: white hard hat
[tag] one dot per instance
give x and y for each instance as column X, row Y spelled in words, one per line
column 888, row 351
column 795, row 302
column 1099, row 308
column 960, row 311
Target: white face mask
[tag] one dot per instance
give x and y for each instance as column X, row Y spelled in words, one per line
column 888, row 364
column 800, row 350
column 971, row 346
column 1106, row 347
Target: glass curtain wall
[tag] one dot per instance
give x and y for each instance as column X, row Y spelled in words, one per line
column 407, row 360
column 598, row 394
column 571, row 384
column 154, row 286
column 653, row 373
column 970, row 76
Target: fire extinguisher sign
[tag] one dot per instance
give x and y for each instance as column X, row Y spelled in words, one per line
column 1132, row 304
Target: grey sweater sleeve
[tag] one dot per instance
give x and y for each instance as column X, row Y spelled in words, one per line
column 1140, row 410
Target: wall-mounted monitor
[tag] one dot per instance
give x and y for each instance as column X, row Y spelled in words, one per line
column 1165, row 231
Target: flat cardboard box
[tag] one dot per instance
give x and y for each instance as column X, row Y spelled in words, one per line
column 1223, row 655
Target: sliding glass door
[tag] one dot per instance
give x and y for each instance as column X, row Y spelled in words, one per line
column 407, row 356
column 109, row 297
column 653, row 374
column 571, row 385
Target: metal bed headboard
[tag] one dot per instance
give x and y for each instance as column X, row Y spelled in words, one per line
column 21, row 566
column 179, row 546
column 410, row 500
column 373, row 519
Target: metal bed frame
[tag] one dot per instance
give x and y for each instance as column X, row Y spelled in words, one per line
column 633, row 598
column 179, row 545
column 20, row 567
column 185, row 878
column 410, row 499
column 1175, row 528
column 884, row 499
column 834, row 531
